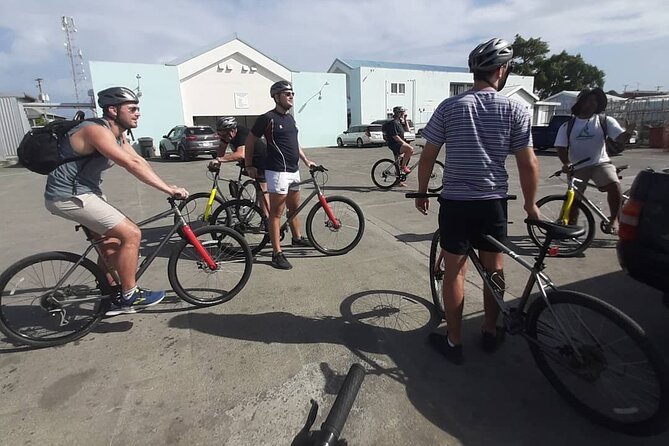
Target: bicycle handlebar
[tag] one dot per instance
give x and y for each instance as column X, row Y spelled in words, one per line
column 570, row 167
column 319, row 168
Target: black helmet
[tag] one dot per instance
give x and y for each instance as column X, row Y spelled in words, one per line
column 490, row 55
column 116, row 96
column 226, row 122
column 278, row 87
column 599, row 95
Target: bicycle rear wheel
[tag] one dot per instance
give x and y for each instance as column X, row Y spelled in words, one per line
column 247, row 219
column 611, row 373
column 34, row 312
column 248, row 191
column 385, row 174
column 437, row 275
column 322, row 232
column 435, row 183
column 195, row 282
column 551, row 207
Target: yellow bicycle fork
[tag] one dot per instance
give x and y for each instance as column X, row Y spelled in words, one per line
column 207, row 208
column 566, row 207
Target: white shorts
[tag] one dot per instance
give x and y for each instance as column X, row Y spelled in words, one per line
column 89, row 210
column 282, row 182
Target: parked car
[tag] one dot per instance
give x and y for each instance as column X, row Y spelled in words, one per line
column 361, row 135
column 643, row 245
column 408, row 136
column 543, row 136
column 189, row 142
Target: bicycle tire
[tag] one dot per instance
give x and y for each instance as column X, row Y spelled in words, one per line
column 385, row 174
column 554, row 355
column 193, row 207
column 436, row 277
column 323, row 235
column 247, row 219
column 188, row 274
column 550, row 207
column 435, row 183
column 30, row 278
column 248, row 191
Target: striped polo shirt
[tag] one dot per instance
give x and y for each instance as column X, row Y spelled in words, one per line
column 479, row 128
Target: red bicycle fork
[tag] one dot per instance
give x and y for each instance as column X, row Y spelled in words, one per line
column 204, row 255
column 328, row 211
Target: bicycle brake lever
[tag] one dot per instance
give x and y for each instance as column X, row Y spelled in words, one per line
column 303, row 437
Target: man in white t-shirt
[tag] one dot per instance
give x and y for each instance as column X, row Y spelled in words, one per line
column 586, row 140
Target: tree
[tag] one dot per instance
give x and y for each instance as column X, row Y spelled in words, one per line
column 556, row 73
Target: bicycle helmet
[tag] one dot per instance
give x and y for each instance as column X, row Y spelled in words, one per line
column 116, row 96
column 398, row 109
column 490, row 55
column 226, row 123
column 278, row 87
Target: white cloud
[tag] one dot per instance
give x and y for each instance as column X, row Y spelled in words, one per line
column 307, row 35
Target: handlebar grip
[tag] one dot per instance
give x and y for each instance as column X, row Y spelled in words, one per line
column 342, row 406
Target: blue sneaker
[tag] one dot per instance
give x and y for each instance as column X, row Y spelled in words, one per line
column 140, row 300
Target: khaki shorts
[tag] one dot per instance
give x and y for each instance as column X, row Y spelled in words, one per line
column 600, row 174
column 90, row 210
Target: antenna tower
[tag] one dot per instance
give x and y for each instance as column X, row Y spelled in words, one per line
column 74, row 54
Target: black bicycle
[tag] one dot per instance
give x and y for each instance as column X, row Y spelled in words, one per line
column 387, row 173
column 597, row 358
column 56, row 297
column 331, row 429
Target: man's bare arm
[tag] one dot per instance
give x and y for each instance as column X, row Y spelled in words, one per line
column 528, row 172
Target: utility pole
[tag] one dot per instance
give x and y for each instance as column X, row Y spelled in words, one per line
column 42, row 97
column 74, row 54
column 625, row 87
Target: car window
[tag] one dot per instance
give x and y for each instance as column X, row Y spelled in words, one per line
column 199, row 131
column 375, row 128
column 171, row 133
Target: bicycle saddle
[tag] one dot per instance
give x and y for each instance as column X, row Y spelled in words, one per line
column 621, row 168
column 555, row 231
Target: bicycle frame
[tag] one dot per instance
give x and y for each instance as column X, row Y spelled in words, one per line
column 321, row 197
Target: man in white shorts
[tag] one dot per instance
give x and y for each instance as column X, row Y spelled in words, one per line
column 73, row 191
column 281, row 167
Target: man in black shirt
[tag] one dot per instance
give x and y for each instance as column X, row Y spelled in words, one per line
column 235, row 135
column 281, row 166
column 395, row 134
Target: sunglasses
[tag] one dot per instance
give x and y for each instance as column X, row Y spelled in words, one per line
column 133, row 109
column 288, row 93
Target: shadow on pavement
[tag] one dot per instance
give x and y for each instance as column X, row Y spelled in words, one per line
column 499, row 398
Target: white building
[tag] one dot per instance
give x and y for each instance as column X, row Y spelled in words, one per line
column 374, row 88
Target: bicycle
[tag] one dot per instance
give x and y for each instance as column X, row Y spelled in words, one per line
column 596, row 357
column 331, row 428
column 56, row 297
column 573, row 208
column 387, row 173
column 325, row 225
column 197, row 208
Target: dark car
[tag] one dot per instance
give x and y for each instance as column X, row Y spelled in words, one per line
column 543, row 136
column 189, row 142
column 643, row 246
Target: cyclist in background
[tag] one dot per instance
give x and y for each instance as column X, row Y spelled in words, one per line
column 234, row 135
column 73, row 191
column 479, row 129
column 395, row 134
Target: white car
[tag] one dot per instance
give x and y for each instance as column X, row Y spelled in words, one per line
column 361, row 135
column 409, row 136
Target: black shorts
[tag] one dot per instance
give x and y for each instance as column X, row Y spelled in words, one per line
column 462, row 223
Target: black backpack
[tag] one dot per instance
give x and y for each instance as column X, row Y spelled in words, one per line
column 613, row 148
column 40, row 151
column 386, row 128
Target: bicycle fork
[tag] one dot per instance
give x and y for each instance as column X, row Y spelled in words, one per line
column 328, row 211
column 204, row 255
column 568, row 201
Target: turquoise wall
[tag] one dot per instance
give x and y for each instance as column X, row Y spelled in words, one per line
column 320, row 117
column 160, row 102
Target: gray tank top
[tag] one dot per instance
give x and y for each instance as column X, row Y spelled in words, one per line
column 77, row 177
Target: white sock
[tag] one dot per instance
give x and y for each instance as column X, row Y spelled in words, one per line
column 450, row 344
column 128, row 293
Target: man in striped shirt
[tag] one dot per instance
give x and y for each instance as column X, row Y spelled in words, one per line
column 479, row 128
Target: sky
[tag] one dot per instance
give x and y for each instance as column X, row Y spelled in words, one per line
column 629, row 41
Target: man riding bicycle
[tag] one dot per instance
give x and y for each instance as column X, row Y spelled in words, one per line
column 73, row 191
column 395, row 133
column 234, row 135
column 478, row 128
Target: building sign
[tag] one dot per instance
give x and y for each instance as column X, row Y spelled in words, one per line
column 241, row 100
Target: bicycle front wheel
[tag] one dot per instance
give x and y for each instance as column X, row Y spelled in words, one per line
column 195, row 282
column 600, row 361
column 551, row 207
column 248, row 191
column 437, row 275
column 247, row 219
column 327, row 238
column 385, row 174
column 35, row 312
column 193, row 209
column 435, row 183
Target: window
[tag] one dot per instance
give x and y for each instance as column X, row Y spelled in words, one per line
column 397, row 88
column 459, row 88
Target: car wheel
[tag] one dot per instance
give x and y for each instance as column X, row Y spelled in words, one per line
column 358, row 143
column 183, row 156
column 340, row 143
column 163, row 152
